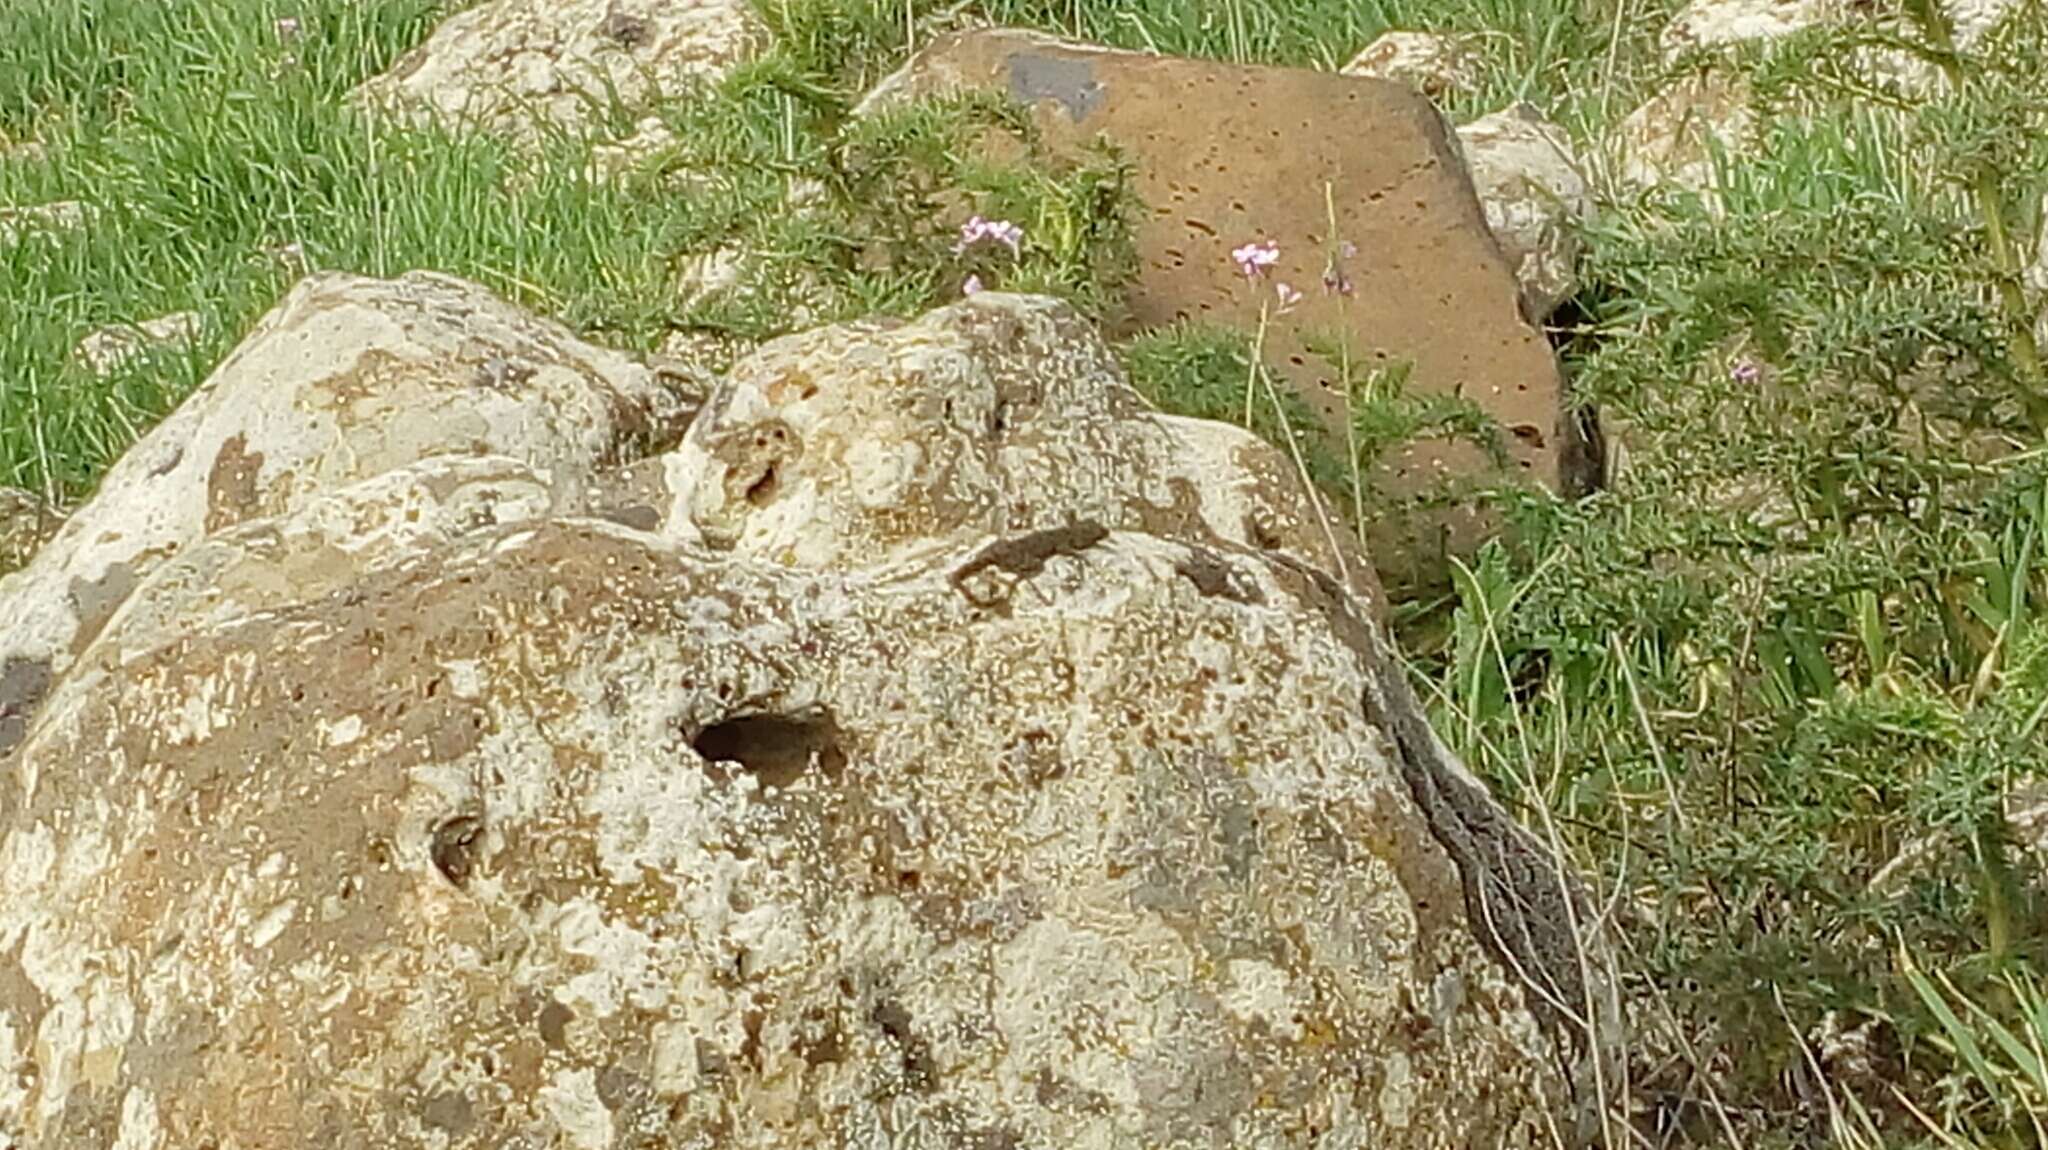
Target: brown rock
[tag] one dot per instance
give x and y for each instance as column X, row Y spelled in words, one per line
column 1224, row 155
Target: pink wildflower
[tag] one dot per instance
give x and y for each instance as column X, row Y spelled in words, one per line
column 977, row 229
column 1255, row 259
column 972, row 286
column 287, row 27
column 1746, row 370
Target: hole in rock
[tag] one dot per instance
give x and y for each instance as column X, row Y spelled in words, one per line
column 762, row 492
column 454, row 846
column 776, row 749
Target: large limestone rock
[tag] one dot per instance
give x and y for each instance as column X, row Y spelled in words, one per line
column 1224, row 155
column 1536, row 199
column 348, row 379
column 910, row 772
column 517, row 67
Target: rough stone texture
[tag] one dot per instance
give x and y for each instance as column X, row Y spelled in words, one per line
column 109, row 349
column 516, row 66
column 1224, row 155
column 42, row 219
column 347, row 379
column 1535, row 196
column 1673, row 138
column 1436, row 64
column 1707, row 24
column 943, row 813
column 26, row 522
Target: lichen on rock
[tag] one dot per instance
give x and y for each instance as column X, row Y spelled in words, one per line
column 347, row 379
column 937, row 744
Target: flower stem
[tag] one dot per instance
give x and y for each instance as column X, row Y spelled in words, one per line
column 1251, row 379
column 1344, row 377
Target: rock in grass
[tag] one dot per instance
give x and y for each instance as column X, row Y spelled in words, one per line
column 994, row 764
column 109, row 349
column 1713, row 24
column 1437, row 64
column 633, row 155
column 521, row 68
column 42, row 219
column 347, row 379
column 1536, row 198
column 1679, row 137
column 1222, row 155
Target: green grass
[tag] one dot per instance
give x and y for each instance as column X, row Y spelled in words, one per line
column 1772, row 687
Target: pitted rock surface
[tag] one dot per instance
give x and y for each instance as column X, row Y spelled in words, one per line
column 347, row 379
column 521, row 67
column 987, row 809
column 1223, row 155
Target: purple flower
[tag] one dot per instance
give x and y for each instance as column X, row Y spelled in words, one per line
column 287, row 27
column 1746, row 370
column 977, row 229
column 972, row 286
column 1255, row 259
column 1288, row 297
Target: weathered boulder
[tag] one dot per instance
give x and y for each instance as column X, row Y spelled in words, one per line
column 865, row 443
column 348, row 379
column 1680, row 136
column 1437, row 64
column 994, row 808
column 1223, row 155
column 1536, row 198
column 519, row 67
